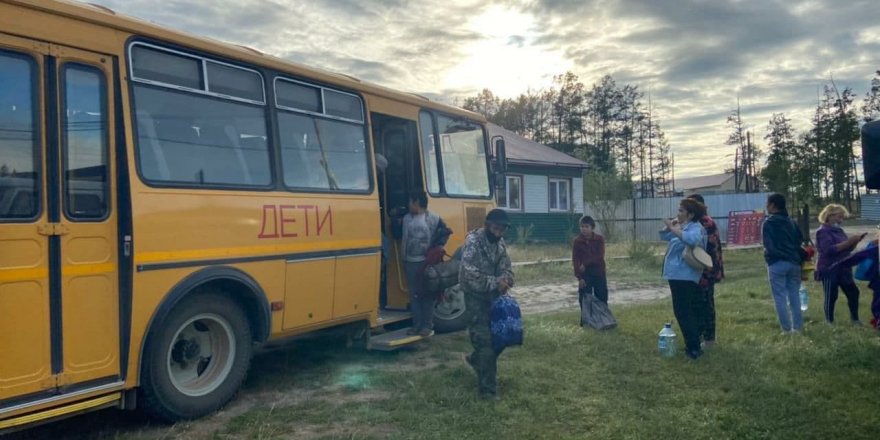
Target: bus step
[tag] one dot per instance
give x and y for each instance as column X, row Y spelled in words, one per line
column 393, row 340
column 391, row 316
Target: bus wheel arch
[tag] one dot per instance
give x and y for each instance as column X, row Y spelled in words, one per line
column 197, row 349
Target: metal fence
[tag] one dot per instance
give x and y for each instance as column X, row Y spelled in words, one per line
column 644, row 217
column 870, row 206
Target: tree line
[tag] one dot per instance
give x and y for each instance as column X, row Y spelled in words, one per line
column 821, row 163
column 616, row 130
column 611, row 127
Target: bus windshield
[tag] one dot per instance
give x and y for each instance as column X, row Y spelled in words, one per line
column 463, row 154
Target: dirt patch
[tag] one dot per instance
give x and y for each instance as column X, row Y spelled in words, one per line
column 552, row 297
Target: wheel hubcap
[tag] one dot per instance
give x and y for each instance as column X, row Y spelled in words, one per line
column 451, row 306
column 201, row 354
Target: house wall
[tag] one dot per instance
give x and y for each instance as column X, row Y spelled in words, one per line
column 536, row 218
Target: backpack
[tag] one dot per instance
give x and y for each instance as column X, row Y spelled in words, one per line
column 505, row 323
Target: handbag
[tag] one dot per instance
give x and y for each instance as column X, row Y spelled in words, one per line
column 596, row 314
column 697, row 257
column 441, row 276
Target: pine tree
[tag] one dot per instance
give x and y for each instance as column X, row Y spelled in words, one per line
column 777, row 175
column 871, row 105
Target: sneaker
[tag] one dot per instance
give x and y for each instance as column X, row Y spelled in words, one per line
column 856, row 323
column 411, row 331
column 426, row 333
column 708, row 344
column 693, row 354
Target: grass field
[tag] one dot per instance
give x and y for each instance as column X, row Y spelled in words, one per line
column 564, row 383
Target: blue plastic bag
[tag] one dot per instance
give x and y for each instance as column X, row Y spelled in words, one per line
column 865, row 270
column 505, row 323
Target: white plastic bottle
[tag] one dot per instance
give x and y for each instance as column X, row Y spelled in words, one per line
column 666, row 341
column 805, row 297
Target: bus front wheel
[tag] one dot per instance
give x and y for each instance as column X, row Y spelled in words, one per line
column 450, row 312
column 196, row 359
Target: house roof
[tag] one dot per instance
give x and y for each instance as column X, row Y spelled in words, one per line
column 522, row 151
column 702, row 181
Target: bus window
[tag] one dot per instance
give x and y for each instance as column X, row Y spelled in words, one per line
column 196, row 140
column 323, row 154
column 343, row 105
column 235, row 82
column 214, row 133
column 429, row 153
column 85, row 143
column 167, row 68
column 463, row 152
column 18, row 138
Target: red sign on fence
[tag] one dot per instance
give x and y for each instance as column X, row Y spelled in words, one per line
column 744, row 227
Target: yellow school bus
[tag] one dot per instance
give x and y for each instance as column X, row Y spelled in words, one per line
column 168, row 203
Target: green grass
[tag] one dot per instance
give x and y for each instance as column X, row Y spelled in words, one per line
column 565, row 382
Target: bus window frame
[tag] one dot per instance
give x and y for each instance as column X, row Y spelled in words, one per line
column 62, row 95
column 365, row 125
column 441, row 175
column 204, row 59
column 37, row 96
column 269, row 116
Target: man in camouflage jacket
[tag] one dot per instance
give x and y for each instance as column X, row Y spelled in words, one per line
column 485, row 275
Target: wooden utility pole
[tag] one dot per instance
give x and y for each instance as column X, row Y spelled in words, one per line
column 747, row 161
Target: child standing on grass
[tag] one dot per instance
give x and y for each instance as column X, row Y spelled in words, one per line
column 588, row 260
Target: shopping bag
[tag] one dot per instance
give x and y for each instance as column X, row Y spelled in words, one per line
column 505, row 323
column 596, row 314
column 865, row 270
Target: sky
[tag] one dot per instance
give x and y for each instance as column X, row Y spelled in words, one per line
column 697, row 59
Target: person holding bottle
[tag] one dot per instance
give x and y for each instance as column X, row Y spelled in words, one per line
column 687, row 296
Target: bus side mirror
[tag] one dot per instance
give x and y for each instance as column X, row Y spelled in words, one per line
column 499, row 181
column 871, row 154
column 500, row 155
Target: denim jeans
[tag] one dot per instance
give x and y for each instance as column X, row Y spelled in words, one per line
column 785, row 281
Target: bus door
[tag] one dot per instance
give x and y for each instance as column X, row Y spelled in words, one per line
column 59, row 329
column 397, row 140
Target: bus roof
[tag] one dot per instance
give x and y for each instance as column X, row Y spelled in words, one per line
column 104, row 16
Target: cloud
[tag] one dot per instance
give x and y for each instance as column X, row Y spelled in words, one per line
column 696, row 58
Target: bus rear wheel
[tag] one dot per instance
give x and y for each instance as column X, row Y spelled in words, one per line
column 450, row 312
column 196, row 359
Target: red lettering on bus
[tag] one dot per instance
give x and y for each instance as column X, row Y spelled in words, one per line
column 306, row 209
column 278, row 219
column 285, row 220
column 327, row 214
column 274, row 233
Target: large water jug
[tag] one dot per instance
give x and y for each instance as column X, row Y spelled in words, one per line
column 805, row 297
column 666, row 341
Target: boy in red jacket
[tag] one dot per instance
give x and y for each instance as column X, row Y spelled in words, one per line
column 588, row 259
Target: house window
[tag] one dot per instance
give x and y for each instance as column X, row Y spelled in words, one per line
column 510, row 197
column 560, row 194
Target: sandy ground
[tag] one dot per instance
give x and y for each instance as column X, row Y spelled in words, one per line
column 551, row 297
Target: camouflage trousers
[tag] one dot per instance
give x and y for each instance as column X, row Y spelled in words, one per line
column 484, row 358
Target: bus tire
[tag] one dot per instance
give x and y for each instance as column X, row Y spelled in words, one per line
column 196, row 358
column 450, row 313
